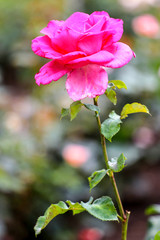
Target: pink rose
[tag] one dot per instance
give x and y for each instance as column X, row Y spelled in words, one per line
column 80, row 47
column 146, row 25
column 75, row 154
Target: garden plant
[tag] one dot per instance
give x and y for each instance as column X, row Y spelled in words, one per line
column 84, row 47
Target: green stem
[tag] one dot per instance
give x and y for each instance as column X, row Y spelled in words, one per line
column 125, row 226
column 103, row 141
column 124, row 216
column 118, row 199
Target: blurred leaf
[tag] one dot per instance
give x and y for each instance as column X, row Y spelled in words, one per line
column 102, row 208
column 72, row 179
column 75, row 108
column 157, row 236
column 10, row 183
column 133, row 108
column 111, row 94
column 153, row 209
column 92, row 108
column 75, row 207
column 96, row 177
column 64, row 112
column 117, row 164
column 118, row 83
column 111, row 125
column 51, row 212
column 153, row 227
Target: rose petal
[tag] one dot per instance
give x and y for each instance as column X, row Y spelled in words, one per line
column 114, row 27
column 42, row 46
column 51, row 71
column 76, row 21
column 103, row 13
column 122, row 55
column 89, row 81
column 94, row 28
column 99, row 58
column 90, row 44
column 52, row 28
column 66, row 40
column 65, row 59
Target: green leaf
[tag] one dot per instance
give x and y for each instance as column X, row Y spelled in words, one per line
column 157, row 236
column 39, row 225
column 102, row 208
column 153, row 209
column 96, row 177
column 111, row 94
column 118, row 83
column 92, row 107
column 75, row 107
column 51, row 212
column 133, row 108
column 117, row 164
column 111, row 126
column 64, row 112
column 75, row 207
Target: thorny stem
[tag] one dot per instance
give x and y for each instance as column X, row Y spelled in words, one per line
column 124, row 217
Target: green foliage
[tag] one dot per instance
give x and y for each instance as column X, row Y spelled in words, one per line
column 75, row 207
column 9, row 182
column 111, row 126
column 153, row 228
column 111, row 94
column 153, row 232
column 96, row 177
column 51, row 212
column 157, row 236
column 118, row 83
column 64, row 112
column 102, row 208
column 153, row 209
column 133, row 108
column 75, row 108
column 117, row 164
column 112, row 85
column 92, row 108
column 40, row 224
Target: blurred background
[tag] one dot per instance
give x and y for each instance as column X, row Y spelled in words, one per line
column 44, row 160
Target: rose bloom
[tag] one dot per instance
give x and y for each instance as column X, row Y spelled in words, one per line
column 75, row 154
column 146, row 25
column 80, row 47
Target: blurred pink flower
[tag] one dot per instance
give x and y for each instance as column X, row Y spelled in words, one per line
column 80, row 47
column 75, row 154
column 146, row 25
column 90, row 234
column 134, row 4
column 144, row 137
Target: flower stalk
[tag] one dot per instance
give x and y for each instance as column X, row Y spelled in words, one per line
column 124, row 216
column 125, row 226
